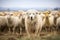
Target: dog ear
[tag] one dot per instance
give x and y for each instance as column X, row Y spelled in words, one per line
column 36, row 13
column 20, row 15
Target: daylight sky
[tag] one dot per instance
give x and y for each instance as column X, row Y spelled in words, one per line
column 29, row 3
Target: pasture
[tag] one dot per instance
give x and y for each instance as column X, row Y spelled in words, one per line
column 30, row 25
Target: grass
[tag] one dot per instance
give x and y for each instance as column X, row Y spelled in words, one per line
column 51, row 36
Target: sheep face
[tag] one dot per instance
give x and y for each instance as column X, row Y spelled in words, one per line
column 55, row 13
column 9, row 15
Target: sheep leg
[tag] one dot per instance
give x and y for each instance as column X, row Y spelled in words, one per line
column 40, row 29
column 0, row 28
column 20, row 30
column 36, row 32
column 9, row 30
column 13, row 30
column 57, row 27
column 50, row 29
column 45, row 28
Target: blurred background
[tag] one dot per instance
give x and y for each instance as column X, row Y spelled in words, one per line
column 29, row 4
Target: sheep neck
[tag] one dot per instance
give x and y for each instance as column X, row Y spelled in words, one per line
column 55, row 20
column 47, row 21
column 9, row 21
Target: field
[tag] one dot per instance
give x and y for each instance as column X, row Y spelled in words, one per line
column 43, row 36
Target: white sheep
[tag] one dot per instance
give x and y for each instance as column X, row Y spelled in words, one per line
column 51, row 21
column 3, row 21
column 22, row 22
column 55, row 17
column 46, row 20
column 14, row 21
column 58, row 23
column 40, row 22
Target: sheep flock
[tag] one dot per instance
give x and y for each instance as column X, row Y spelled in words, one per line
column 31, row 22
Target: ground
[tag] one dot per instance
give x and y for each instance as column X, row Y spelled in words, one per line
column 43, row 36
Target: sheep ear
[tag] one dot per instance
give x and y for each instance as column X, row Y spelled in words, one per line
column 25, row 13
column 19, row 17
column 44, row 13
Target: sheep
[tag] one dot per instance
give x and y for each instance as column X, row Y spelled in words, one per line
column 46, row 20
column 40, row 22
column 22, row 22
column 2, row 13
column 55, row 17
column 3, row 22
column 33, row 22
column 58, row 23
column 55, row 14
column 14, row 21
column 51, row 20
column 57, row 20
column 15, row 13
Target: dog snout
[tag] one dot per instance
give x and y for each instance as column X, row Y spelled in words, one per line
column 31, row 18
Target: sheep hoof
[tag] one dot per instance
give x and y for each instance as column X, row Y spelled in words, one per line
column 13, row 33
column 9, row 32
